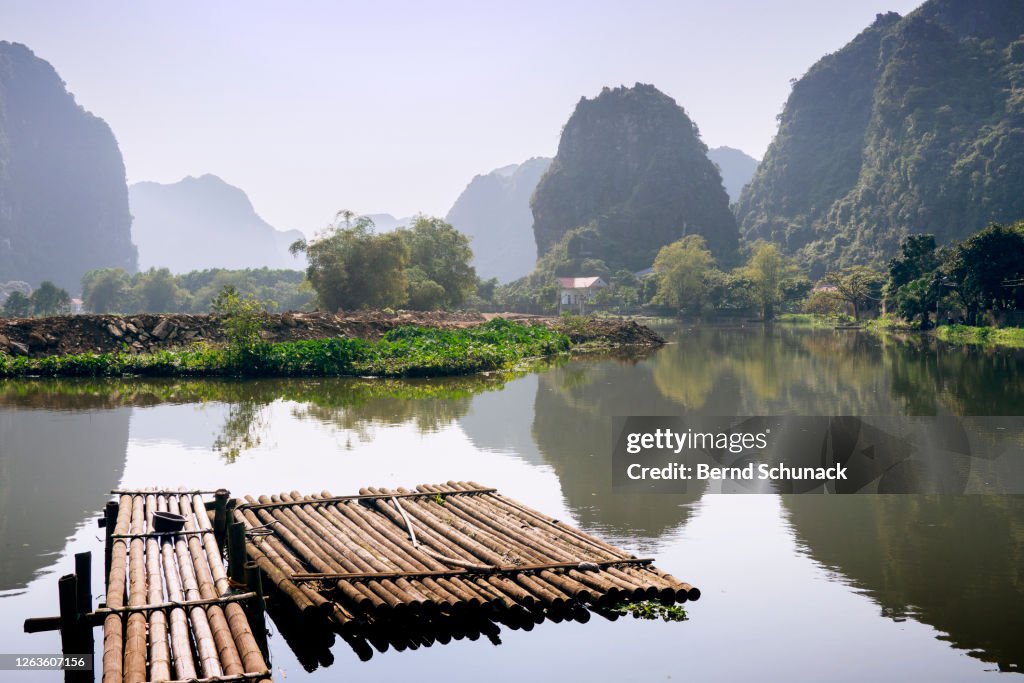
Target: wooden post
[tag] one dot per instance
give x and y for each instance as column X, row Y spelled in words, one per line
column 236, row 552
column 83, row 606
column 72, row 627
column 109, row 522
column 257, row 620
column 220, row 516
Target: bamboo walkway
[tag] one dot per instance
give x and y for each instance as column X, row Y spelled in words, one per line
column 181, row 620
column 452, row 552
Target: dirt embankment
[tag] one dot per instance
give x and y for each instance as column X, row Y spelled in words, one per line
column 143, row 333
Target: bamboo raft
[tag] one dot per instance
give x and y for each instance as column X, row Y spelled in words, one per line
column 443, row 554
column 182, row 621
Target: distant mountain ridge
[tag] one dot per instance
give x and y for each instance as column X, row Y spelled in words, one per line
column 916, row 125
column 63, row 195
column 494, row 210
column 200, row 223
column 736, row 166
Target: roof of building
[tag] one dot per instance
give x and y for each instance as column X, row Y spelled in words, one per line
column 579, row 282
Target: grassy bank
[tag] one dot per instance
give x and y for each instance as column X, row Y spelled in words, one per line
column 1012, row 337
column 402, row 352
column 1009, row 337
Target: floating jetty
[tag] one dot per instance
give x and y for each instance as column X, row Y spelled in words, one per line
column 402, row 567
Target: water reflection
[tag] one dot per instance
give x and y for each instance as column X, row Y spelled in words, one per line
column 952, row 562
column 56, row 469
column 955, row 562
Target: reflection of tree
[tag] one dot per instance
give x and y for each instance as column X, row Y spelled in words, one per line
column 954, row 562
column 572, row 429
column 242, row 429
column 964, row 381
column 349, row 403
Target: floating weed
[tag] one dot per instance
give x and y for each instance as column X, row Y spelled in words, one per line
column 650, row 609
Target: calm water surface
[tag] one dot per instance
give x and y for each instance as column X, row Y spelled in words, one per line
column 800, row 588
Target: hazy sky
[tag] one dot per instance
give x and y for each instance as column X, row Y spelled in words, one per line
column 393, row 107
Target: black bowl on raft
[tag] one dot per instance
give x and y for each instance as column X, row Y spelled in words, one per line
column 167, row 521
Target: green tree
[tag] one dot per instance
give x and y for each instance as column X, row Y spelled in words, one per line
column 443, row 255
column 856, row 285
column 50, row 299
column 241, row 319
column 768, row 271
column 424, row 293
column 17, row 305
column 350, row 266
column 684, row 268
column 984, row 268
column 106, row 290
column 156, row 291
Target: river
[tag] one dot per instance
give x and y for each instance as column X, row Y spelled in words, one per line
column 797, row 587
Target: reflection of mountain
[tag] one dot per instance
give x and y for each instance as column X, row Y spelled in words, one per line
column 501, row 420
column 954, row 562
column 572, row 427
column 56, row 470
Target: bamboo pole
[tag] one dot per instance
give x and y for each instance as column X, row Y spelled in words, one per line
column 136, row 653
column 181, row 641
column 159, row 651
column 227, row 652
column 206, row 644
column 487, row 549
column 500, row 584
column 278, row 563
column 247, row 641
column 463, row 594
column 654, row 583
column 113, row 625
column 396, row 554
column 365, row 597
column 539, row 548
column 339, row 539
column 323, row 543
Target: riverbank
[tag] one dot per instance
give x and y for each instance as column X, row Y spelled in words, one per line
column 365, row 344
column 959, row 335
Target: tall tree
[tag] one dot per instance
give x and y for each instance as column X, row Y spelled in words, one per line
column 769, row 271
column 442, row 255
column 350, row 266
column 684, row 269
column 50, row 299
column 106, row 290
column 17, row 305
column 857, row 286
column 985, row 266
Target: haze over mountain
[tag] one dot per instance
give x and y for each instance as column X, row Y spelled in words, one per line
column 736, row 166
column 631, row 175
column 915, row 126
column 494, row 210
column 63, row 197
column 200, row 223
column 385, row 222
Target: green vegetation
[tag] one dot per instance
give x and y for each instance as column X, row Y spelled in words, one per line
column 631, row 176
column 48, row 299
column 650, row 609
column 983, row 336
column 425, row 267
column 112, row 290
column 875, row 142
column 857, row 286
column 403, row 352
column 685, row 268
